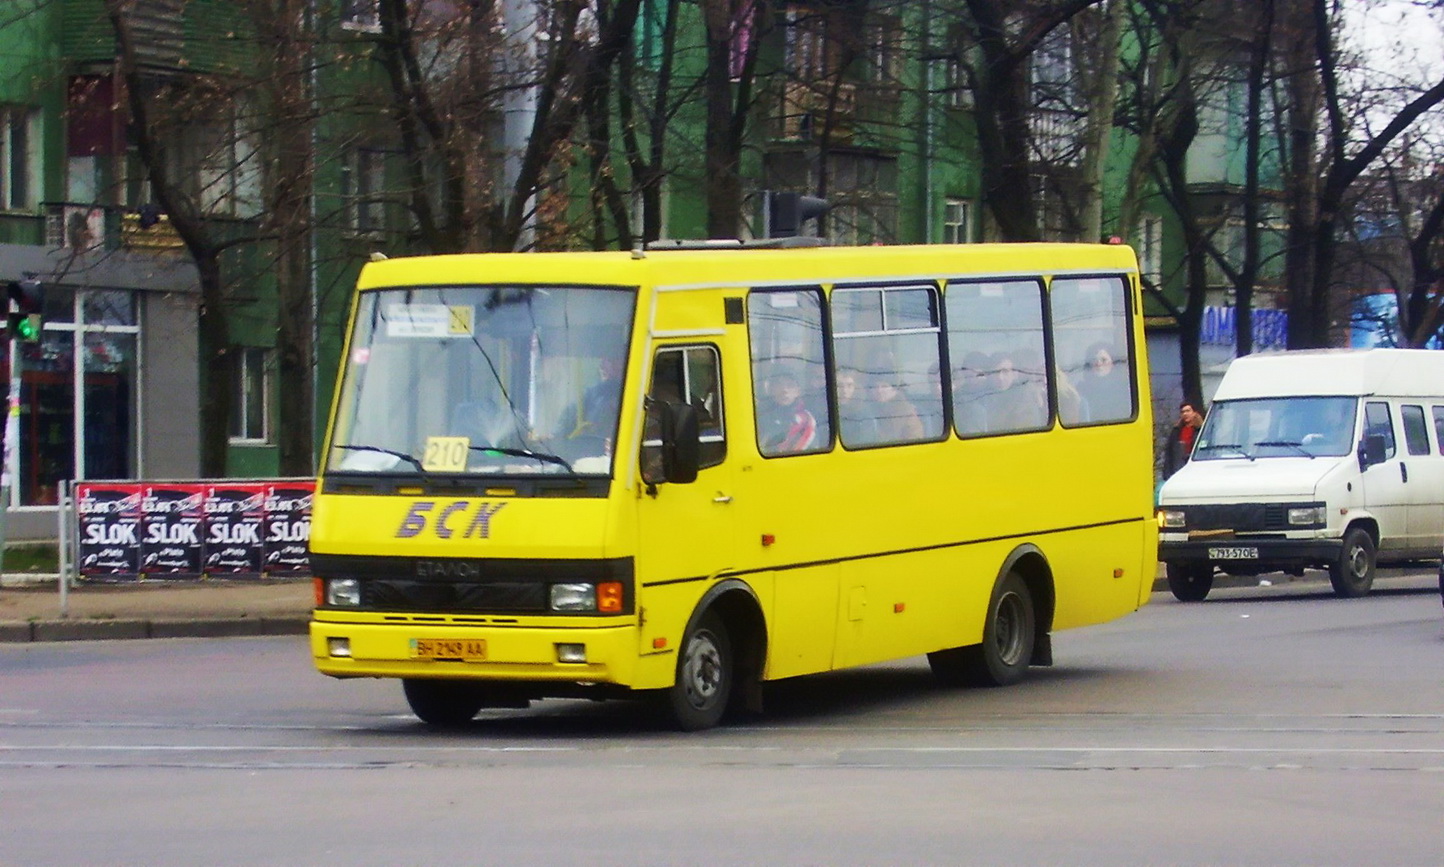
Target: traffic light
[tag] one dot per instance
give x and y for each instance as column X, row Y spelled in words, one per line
column 27, row 304
column 786, row 211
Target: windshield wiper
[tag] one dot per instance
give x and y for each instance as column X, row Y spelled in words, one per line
column 543, row 457
column 411, row 459
column 1230, row 446
column 1298, row 447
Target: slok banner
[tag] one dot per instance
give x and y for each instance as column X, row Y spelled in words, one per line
column 235, row 515
column 288, row 528
column 171, row 541
column 109, row 518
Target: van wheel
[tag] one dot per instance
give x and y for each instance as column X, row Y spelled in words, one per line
column 699, row 696
column 1353, row 574
column 1190, row 582
column 1007, row 648
column 442, row 702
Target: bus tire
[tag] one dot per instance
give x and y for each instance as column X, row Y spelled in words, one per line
column 698, row 698
column 1190, row 582
column 442, row 702
column 1007, row 647
column 1353, row 573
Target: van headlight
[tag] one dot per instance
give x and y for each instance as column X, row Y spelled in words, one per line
column 1172, row 519
column 1313, row 515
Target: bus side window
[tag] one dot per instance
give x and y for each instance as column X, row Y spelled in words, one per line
column 1091, row 337
column 996, row 342
column 789, row 382
column 1438, row 412
column 1416, row 430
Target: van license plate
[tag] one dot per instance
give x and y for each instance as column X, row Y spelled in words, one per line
column 463, row 649
column 1233, row 553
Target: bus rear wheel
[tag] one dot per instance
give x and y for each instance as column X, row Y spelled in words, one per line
column 703, row 686
column 442, row 702
column 1007, row 648
column 1353, row 574
column 1190, row 582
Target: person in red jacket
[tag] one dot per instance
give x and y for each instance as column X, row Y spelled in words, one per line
column 1180, row 440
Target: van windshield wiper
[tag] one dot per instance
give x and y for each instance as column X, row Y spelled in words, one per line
column 1233, row 447
column 410, row 459
column 543, row 457
column 1290, row 444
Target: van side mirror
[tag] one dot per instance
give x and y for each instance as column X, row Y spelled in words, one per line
column 679, row 431
column 1371, row 451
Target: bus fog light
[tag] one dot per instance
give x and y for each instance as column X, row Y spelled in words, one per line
column 339, row 646
column 574, row 597
column 1172, row 518
column 571, row 653
column 343, row 591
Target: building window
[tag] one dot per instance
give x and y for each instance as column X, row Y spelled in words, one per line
column 363, row 16
column 17, row 157
column 957, row 221
column 78, row 401
column 250, row 411
column 363, row 181
column 1150, row 249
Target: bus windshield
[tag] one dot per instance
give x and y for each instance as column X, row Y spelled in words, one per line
column 483, row 380
column 1278, row 427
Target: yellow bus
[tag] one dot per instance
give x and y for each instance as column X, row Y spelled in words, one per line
column 684, row 473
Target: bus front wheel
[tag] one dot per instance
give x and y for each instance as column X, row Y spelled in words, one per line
column 700, row 694
column 1190, row 582
column 1007, row 648
column 442, row 702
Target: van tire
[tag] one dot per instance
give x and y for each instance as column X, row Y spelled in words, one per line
column 705, row 671
column 1190, row 582
column 1353, row 574
column 1007, row 648
column 442, row 703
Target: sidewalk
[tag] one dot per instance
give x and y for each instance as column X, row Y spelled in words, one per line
column 30, row 611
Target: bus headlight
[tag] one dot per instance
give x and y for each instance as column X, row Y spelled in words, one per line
column 343, row 591
column 1172, row 519
column 1308, row 516
column 574, row 597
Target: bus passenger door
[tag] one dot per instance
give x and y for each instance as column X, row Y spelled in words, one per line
column 685, row 531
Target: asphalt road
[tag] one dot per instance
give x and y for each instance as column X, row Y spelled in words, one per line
column 1267, row 725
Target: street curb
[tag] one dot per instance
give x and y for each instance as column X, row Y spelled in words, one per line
column 96, row 630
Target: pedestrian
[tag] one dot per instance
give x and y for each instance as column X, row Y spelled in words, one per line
column 1180, row 439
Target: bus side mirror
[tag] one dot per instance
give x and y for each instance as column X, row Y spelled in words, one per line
column 681, row 442
column 1371, row 451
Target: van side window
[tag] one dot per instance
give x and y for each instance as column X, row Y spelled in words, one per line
column 1416, row 429
column 1378, row 421
column 789, row 371
column 1439, row 427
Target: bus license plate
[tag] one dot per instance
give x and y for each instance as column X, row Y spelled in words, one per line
column 1233, row 553
column 463, row 649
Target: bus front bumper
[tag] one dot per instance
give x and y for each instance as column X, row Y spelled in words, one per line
column 538, row 655
column 1251, row 556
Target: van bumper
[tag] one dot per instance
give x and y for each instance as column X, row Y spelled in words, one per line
column 1268, row 555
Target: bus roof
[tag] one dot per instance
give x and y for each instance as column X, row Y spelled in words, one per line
column 1323, row 372
column 748, row 266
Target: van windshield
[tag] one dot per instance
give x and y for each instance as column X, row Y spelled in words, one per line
column 483, row 380
column 1278, row 427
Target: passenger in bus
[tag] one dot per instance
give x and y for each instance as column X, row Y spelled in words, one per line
column 897, row 419
column 784, row 423
column 1012, row 400
column 928, row 400
column 970, row 382
column 1104, row 386
column 596, row 413
column 854, row 411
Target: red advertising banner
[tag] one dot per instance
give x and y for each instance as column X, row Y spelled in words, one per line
column 235, row 512
column 109, row 518
column 171, row 543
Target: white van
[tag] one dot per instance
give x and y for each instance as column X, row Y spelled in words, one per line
column 1321, row 458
